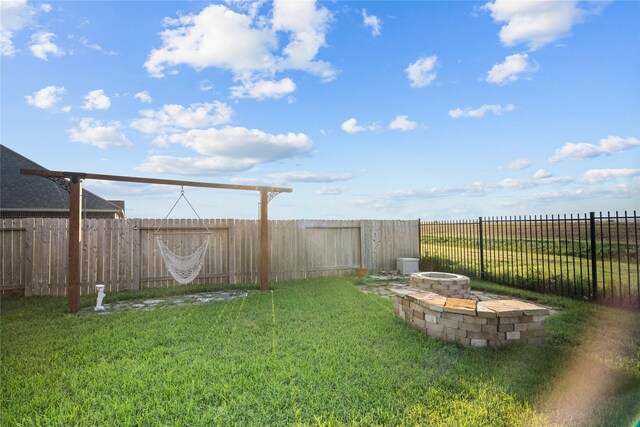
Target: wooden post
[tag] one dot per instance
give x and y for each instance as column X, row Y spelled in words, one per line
column 264, row 240
column 75, row 225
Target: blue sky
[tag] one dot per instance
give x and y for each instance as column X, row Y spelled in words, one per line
column 391, row 110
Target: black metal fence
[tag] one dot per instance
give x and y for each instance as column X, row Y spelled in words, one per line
column 590, row 256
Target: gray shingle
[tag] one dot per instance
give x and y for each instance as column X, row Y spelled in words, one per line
column 28, row 192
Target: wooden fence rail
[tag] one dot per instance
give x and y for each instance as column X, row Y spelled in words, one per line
column 123, row 254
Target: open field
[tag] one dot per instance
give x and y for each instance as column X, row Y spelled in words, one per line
column 316, row 352
column 524, row 267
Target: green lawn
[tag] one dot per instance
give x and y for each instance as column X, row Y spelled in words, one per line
column 317, row 352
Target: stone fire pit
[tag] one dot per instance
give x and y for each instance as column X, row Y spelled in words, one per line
column 440, row 305
column 446, row 284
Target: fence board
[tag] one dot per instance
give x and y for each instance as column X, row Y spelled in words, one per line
column 123, row 254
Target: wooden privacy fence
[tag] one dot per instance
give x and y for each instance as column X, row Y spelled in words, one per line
column 123, row 254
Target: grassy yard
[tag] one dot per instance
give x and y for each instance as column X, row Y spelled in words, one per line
column 317, row 352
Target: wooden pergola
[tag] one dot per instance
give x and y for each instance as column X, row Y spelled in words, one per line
column 75, row 218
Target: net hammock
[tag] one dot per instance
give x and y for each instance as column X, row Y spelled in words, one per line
column 184, row 269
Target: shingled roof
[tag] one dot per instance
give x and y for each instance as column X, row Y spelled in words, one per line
column 35, row 194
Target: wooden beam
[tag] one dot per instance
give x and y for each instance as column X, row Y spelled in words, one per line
column 140, row 180
column 75, row 238
column 75, row 219
column 264, row 240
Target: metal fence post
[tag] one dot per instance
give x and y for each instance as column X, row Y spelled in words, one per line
column 419, row 239
column 481, row 249
column 594, row 260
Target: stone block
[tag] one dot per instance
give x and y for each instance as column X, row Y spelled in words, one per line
column 460, row 306
column 503, row 320
column 503, row 308
column 497, row 336
column 455, row 332
column 453, row 316
column 507, row 327
column 475, row 319
column 513, row 335
column 470, row 326
column 477, row 335
column 489, row 328
column 448, row 323
column 531, row 326
column 435, row 327
column 428, row 311
column 483, row 311
column 418, row 314
column 430, row 318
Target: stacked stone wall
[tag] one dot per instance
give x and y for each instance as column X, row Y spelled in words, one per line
column 446, row 284
column 479, row 324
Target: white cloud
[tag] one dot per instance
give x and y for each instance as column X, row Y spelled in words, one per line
column 372, row 22
column 42, row 45
column 247, row 45
column 402, row 123
column 537, row 23
column 102, row 135
column 46, row 98
column 216, row 37
column 511, row 69
column 307, row 26
column 197, row 166
column 282, row 178
column 331, row 190
column 517, row 164
column 232, row 150
column 263, row 89
column 205, row 85
column 14, row 17
column 174, row 118
column 542, row 174
column 96, row 100
column 421, row 73
column 594, row 176
column 85, row 42
column 475, row 189
column 306, row 176
column 583, row 150
column 481, row 111
column 143, row 97
column 511, row 184
column 46, row 7
column 351, row 126
column 243, row 143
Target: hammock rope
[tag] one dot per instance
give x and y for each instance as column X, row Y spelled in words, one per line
column 184, row 269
